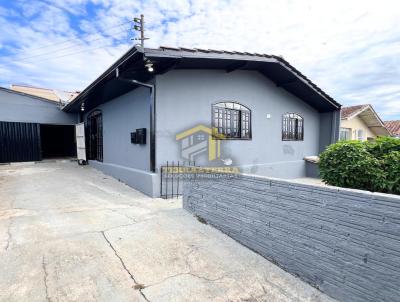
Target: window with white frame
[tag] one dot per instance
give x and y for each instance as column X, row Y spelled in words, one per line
column 345, row 134
column 360, row 134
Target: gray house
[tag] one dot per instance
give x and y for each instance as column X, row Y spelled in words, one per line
column 34, row 128
column 252, row 111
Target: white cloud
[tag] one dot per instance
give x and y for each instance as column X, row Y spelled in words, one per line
column 350, row 49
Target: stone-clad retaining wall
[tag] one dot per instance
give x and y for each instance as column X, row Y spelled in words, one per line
column 344, row 242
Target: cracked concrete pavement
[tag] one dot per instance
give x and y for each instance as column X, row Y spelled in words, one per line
column 71, row 233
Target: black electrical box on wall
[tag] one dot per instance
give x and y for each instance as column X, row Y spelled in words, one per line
column 133, row 137
column 139, row 136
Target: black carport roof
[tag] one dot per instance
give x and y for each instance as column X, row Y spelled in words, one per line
column 132, row 66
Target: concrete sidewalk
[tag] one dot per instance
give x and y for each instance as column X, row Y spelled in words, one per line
column 71, row 233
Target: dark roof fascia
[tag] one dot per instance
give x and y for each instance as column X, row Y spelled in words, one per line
column 308, row 82
column 179, row 54
column 111, row 69
column 176, row 54
column 29, row 96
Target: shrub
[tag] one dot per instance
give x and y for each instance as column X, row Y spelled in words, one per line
column 391, row 166
column 383, row 146
column 350, row 164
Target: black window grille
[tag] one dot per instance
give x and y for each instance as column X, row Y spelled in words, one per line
column 231, row 120
column 292, row 127
column 94, row 135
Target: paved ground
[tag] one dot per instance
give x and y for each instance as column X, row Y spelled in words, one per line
column 70, row 233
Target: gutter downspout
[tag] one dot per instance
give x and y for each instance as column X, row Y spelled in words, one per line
column 152, row 88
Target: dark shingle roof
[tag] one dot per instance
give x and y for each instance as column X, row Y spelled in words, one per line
column 225, row 54
column 132, row 65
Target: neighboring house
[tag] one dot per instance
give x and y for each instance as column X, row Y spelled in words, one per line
column 393, row 127
column 60, row 96
column 265, row 115
column 33, row 128
column 361, row 123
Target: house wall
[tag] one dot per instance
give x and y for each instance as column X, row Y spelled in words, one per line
column 123, row 160
column 355, row 124
column 184, row 100
column 20, row 108
column 329, row 129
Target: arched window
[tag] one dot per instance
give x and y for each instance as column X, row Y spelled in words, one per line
column 292, row 127
column 94, row 135
column 231, row 120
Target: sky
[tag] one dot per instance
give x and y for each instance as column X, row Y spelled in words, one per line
column 350, row 49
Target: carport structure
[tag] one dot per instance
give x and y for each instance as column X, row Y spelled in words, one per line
column 33, row 128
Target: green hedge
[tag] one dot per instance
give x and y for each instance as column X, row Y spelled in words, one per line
column 372, row 166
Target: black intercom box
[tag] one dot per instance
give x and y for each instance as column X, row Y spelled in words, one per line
column 139, row 136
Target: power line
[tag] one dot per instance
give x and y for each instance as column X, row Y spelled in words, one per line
column 142, row 38
column 68, row 47
column 75, row 38
column 73, row 53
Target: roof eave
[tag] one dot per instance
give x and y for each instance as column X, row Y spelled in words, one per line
column 379, row 130
column 155, row 53
column 106, row 73
column 187, row 54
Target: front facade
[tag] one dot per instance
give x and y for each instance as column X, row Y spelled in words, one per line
column 253, row 112
column 187, row 98
column 362, row 123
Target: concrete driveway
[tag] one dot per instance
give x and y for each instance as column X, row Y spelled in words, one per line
column 71, row 233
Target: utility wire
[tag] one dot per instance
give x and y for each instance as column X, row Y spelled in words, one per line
column 75, row 38
column 73, row 53
column 68, row 47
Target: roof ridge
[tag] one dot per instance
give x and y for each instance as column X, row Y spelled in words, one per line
column 191, row 49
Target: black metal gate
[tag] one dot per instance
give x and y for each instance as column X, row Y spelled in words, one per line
column 94, row 135
column 171, row 178
column 19, row 142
